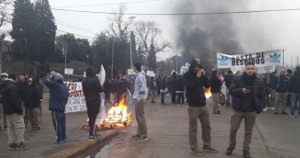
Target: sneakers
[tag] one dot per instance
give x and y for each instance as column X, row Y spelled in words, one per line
column 12, row 146
column 229, row 150
column 292, row 116
column 209, row 149
column 197, row 153
column 265, row 109
column 246, row 154
column 272, row 108
column 284, row 113
column 95, row 137
column 143, row 138
column 136, row 136
column 21, row 146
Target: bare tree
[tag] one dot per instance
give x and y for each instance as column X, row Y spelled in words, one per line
column 4, row 15
column 147, row 36
column 118, row 26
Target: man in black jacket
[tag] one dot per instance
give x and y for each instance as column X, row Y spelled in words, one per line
column 216, row 85
column 12, row 108
column 248, row 99
column 92, row 89
column 194, row 81
column 295, row 92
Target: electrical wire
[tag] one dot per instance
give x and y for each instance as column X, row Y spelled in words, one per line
column 180, row 14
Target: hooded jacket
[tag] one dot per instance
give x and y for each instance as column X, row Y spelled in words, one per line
column 140, row 87
column 11, row 98
column 254, row 101
column 58, row 94
column 294, row 83
column 194, row 86
column 33, row 95
column 91, row 87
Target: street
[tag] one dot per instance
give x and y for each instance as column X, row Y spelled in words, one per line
column 273, row 136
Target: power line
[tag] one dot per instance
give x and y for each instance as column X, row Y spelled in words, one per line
column 74, row 34
column 181, row 14
column 105, row 4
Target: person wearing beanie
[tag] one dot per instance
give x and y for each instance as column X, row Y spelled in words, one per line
column 92, row 88
column 57, row 104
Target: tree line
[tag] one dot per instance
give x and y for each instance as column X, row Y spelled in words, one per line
column 35, row 40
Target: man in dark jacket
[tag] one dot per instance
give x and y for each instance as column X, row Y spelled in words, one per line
column 228, row 79
column 248, row 98
column 180, row 89
column 57, row 104
column 92, row 89
column 282, row 87
column 3, row 119
column 295, row 92
column 12, row 108
column 22, row 87
column 32, row 103
column 171, row 87
column 215, row 85
column 272, row 89
column 194, row 81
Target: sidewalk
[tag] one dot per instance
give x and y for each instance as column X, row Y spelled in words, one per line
column 41, row 143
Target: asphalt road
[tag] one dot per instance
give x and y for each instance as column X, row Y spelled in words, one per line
column 274, row 136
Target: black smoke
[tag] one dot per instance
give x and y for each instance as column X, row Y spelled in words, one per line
column 203, row 36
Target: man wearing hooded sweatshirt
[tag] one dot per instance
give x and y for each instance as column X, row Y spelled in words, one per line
column 92, row 89
column 12, row 108
column 248, row 99
column 194, row 81
column 57, row 104
column 139, row 96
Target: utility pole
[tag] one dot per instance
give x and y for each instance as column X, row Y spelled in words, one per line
column 112, row 59
column 131, row 38
column 1, row 52
column 297, row 60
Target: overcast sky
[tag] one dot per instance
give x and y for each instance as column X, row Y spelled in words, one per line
column 255, row 31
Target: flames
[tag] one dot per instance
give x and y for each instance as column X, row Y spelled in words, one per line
column 207, row 93
column 117, row 116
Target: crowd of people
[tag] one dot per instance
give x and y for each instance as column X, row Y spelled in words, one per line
column 248, row 93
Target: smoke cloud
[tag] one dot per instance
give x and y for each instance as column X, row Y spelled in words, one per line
column 203, row 36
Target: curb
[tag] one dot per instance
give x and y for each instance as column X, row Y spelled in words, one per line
column 82, row 147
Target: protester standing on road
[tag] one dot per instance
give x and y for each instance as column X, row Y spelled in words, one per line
column 152, row 87
column 163, row 91
column 179, row 87
column 171, row 87
column 294, row 88
column 12, row 108
column 57, row 104
column 140, row 95
column 92, row 89
column 22, row 87
column 216, row 84
column 272, row 87
column 32, row 104
column 194, row 81
column 263, row 77
column 248, row 99
column 228, row 79
column 3, row 119
column 282, row 87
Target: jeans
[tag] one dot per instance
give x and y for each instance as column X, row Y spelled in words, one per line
column 162, row 101
column 180, row 98
column 228, row 98
column 295, row 97
column 92, row 111
column 59, row 123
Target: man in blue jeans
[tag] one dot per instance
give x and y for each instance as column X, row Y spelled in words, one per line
column 295, row 92
column 57, row 104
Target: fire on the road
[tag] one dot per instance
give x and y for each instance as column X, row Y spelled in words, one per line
column 207, row 93
column 116, row 117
